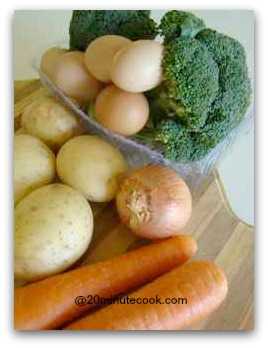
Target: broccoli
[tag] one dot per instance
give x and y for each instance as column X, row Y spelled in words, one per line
column 175, row 140
column 86, row 25
column 176, row 24
column 190, row 82
column 171, row 138
column 234, row 93
column 191, row 136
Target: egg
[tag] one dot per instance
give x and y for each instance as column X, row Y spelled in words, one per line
column 137, row 67
column 50, row 59
column 73, row 78
column 100, row 53
column 120, row 111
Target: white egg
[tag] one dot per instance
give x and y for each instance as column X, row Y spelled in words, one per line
column 120, row 111
column 137, row 67
column 73, row 78
column 50, row 59
column 99, row 55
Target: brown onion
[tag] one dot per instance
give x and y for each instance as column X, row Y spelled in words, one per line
column 154, row 202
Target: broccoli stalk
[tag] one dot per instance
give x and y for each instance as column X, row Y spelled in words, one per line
column 87, row 25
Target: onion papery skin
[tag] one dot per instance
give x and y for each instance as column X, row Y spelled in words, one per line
column 154, row 202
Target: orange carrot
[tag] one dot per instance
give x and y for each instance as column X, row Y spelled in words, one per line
column 201, row 283
column 50, row 303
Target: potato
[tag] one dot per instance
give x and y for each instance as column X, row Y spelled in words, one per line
column 91, row 165
column 34, row 165
column 50, row 121
column 53, row 228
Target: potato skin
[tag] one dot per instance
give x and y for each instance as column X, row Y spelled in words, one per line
column 92, row 166
column 53, row 228
column 50, row 121
column 34, row 165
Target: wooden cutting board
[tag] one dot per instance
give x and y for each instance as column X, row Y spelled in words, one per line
column 221, row 236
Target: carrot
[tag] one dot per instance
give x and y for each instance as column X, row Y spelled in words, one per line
column 50, row 303
column 201, row 283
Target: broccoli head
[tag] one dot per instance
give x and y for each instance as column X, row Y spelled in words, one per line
column 190, row 82
column 176, row 24
column 87, row 25
column 178, row 137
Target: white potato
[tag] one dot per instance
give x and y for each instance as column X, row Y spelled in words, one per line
column 34, row 165
column 53, row 228
column 91, row 165
column 50, row 121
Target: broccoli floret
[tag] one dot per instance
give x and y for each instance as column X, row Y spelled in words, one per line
column 86, row 25
column 175, row 140
column 190, row 82
column 176, row 24
column 178, row 143
column 234, row 93
column 170, row 137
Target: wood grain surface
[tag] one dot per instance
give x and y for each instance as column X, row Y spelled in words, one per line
column 221, row 236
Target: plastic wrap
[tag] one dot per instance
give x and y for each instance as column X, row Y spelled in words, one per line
column 138, row 154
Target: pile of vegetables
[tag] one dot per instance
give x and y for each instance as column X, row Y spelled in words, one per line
column 185, row 95
column 54, row 225
column 53, row 220
column 196, row 82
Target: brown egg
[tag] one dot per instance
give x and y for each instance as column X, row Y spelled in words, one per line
column 99, row 55
column 49, row 60
column 73, row 78
column 137, row 67
column 120, row 111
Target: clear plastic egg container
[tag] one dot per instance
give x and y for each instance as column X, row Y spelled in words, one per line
column 138, row 154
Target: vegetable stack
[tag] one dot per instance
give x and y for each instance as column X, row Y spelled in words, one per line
column 196, row 82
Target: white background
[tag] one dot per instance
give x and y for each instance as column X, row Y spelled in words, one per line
column 260, row 335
